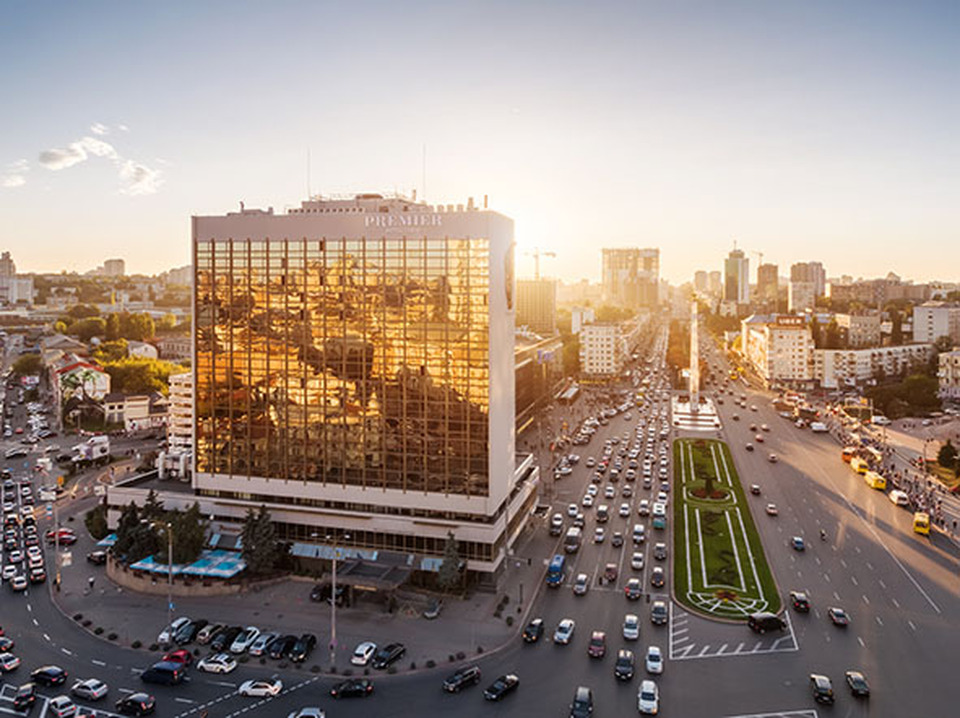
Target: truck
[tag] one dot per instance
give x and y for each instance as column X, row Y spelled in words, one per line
column 571, row 542
column 95, row 450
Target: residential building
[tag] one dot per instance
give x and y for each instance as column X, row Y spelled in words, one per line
column 811, row 272
column 736, row 278
column 801, row 296
column 174, row 347
column 16, row 290
column 768, row 282
column 778, row 347
column 114, row 268
column 136, row 412
column 537, row 305
column 631, row 277
column 935, row 319
column 859, row 330
column 948, row 375
column 715, row 283
column 354, row 372
column 835, row 368
column 7, row 266
column 605, row 347
column 180, row 413
column 74, row 377
column 142, row 350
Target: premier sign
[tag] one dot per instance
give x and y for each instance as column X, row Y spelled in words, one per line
column 410, row 219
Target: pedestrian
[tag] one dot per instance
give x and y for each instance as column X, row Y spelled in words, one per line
column 90, row 581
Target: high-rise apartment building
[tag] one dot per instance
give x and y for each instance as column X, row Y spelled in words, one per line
column 354, row 372
column 812, row 272
column 7, row 266
column 736, row 277
column 801, row 296
column 768, row 282
column 631, row 277
column 935, row 319
column 114, row 268
column 180, row 413
column 715, row 283
column 537, row 305
column 701, row 281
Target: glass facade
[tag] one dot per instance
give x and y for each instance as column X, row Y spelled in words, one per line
column 339, row 360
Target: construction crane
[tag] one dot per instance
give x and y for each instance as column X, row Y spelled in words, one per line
column 759, row 257
column 536, row 254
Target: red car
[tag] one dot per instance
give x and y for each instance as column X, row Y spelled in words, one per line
column 181, row 656
column 598, row 644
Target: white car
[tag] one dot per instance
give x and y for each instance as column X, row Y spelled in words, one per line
column 261, row 688
column 609, row 492
column 648, row 698
column 644, row 507
column 599, row 535
column 624, row 510
column 636, row 562
column 92, row 689
column 654, row 660
column 167, row 634
column 61, row 707
column 572, row 511
column 259, row 646
column 659, row 509
column 308, row 713
column 246, row 639
column 592, row 489
column 9, row 571
column 631, row 627
column 8, row 662
column 587, row 501
column 363, row 653
column 219, row 663
column 564, row 631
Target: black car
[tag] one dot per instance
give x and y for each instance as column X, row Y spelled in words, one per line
column 97, row 557
column 390, row 653
column 353, row 688
column 25, row 698
column 858, row 684
column 501, row 687
column 822, row 688
column 466, row 676
column 188, row 633
column 624, row 667
column 302, row 648
column 224, row 638
column 137, row 704
column 281, row 647
column 49, row 676
column 533, row 631
column 801, row 604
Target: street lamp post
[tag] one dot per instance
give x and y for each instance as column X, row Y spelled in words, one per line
column 170, row 575
column 333, row 601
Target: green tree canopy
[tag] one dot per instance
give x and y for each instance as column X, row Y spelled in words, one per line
column 261, row 549
column 28, row 365
column 450, row 573
column 139, row 375
column 947, row 456
column 82, row 311
column 87, row 329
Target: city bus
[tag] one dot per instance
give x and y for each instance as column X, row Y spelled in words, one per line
column 859, row 465
column 921, row 523
column 875, row 480
column 555, row 571
column 848, row 453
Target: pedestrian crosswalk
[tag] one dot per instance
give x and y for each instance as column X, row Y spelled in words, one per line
column 692, row 638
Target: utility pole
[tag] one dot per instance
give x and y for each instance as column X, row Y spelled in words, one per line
column 170, row 575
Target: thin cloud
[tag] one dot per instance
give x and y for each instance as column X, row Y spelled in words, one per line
column 140, row 178
column 137, row 178
column 15, row 174
column 99, row 128
column 123, row 128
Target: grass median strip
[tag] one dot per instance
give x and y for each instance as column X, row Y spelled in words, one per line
column 720, row 567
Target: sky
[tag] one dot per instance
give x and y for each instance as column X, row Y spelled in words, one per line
column 803, row 130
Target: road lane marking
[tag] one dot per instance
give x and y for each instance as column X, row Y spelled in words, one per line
column 882, row 584
column 860, row 641
column 865, row 599
column 910, row 623
column 46, row 637
column 66, row 651
column 36, row 622
column 895, row 602
column 97, row 662
column 879, row 620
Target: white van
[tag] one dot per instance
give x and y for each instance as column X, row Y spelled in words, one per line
column 818, row 427
column 899, row 498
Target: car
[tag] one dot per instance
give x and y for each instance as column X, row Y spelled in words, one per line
column 164, row 673
column 222, row 640
column 181, row 656
column 772, row 458
column 363, row 653
column 749, row 447
column 764, row 621
column 280, row 647
column 800, row 602
column 654, row 660
column 623, row 669
column 260, row 646
column 582, row 705
column 245, row 639
column 598, row 535
column 388, row 655
column 9, row 571
column 137, row 704
column 581, row 584
column 466, row 676
column 303, row 648
column 633, row 589
column 19, row 583
column 660, row 551
column 736, row 417
column 636, row 561
column 609, row 492
column 797, row 543
column 8, row 662
column 657, row 577
column 838, row 616
column 49, row 676
column 91, row 689
column 658, row 613
column 580, row 521
column 616, row 540
column 857, row 683
column 764, row 427
column 188, row 632
column 624, row 509
column 597, row 647
column 25, row 697
column 755, row 489
column 643, row 508
column 593, row 490
column 822, row 688
column 501, row 687
column 753, row 427
column 217, row 663
column 759, row 438
column 6, row 643
column 308, row 712
column 61, row 707
column 587, row 501
column 352, row 688
column 631, row 627
column 97, row 558
column 648, row 698
column 564, row 631
column 572, row 510
column 261, row 688
column 167, row 634
column 772, row 510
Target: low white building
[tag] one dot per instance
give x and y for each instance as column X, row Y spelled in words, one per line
column 778, row 347
column 948, row 374
column 834, row 368
column 142, row 350
column 932, row 320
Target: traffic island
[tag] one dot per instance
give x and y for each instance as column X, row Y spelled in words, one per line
column 720, row 570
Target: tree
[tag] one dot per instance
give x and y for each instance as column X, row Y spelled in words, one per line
column 28, row 365
column 152, row 508
column 87, row 329
column 943, row 344
column 832, row 340
column 139, row 375
column 96, row 522
column 451, row 568
column 113, row 327
column 189, row 534
column 129, row 520
column 138, row 327
column 947, row 455
column 111, row 351
column 261, row 549
column 82, row 311
column 896, row 329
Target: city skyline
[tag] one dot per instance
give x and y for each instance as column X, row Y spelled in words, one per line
column 591, row 126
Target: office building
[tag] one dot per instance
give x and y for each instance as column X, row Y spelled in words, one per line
column 768, row 283
column 701, row 281
column 354, row 372
column 935, row 319
column 180, row 413
column 631, row 277
column 715, row 283
column 537, row 305
column 736, row 278
column 801, row 296
column 605, row 348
